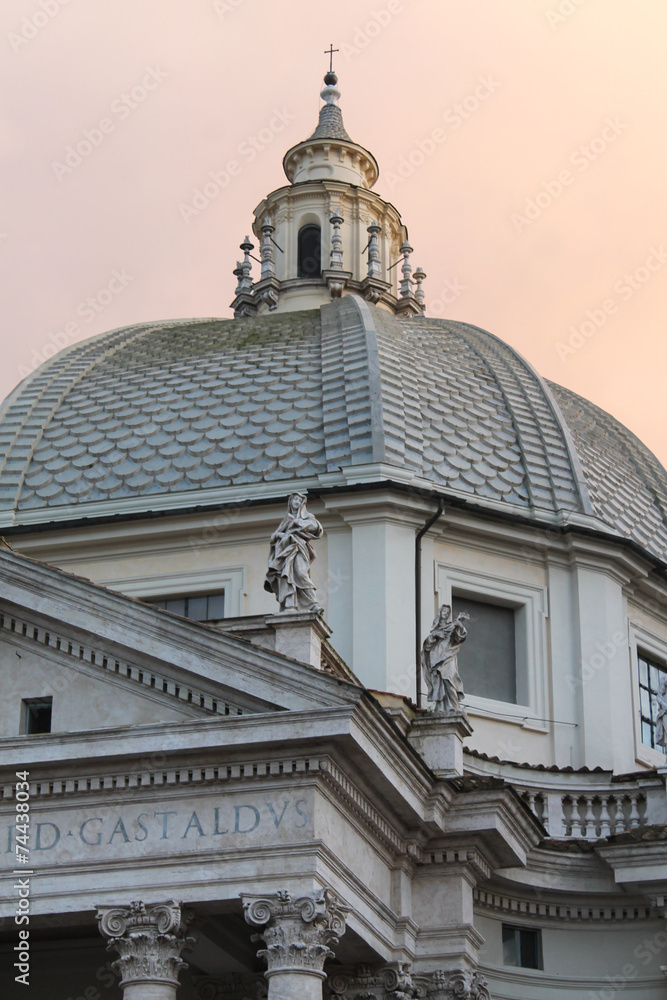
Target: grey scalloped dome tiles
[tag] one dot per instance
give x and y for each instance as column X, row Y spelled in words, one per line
column 135, row 418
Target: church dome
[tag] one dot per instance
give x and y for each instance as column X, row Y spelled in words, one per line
column 175, row 415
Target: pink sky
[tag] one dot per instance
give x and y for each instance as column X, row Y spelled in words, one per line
column 560, row 102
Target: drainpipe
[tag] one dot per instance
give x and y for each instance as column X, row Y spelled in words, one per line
column 418, row 597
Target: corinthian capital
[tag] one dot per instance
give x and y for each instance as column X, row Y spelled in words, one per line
column 441, row 985
column 298, row 932
column 149, row 939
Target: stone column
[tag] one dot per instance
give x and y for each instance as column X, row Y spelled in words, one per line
column 297, row 934
column 149, row 939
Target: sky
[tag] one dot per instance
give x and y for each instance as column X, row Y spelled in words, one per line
column 522, row 141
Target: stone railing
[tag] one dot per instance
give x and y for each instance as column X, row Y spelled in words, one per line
column 586, row 815
column 585, row 805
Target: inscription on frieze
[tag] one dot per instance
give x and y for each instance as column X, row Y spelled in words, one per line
column 174, row 826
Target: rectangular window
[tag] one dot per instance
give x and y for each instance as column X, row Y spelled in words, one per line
column 210, row 607
column 487, row 659
column 36, row 716
column 522, row 947
column 653, row 702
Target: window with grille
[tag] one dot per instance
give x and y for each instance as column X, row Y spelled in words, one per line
column 487, row 659
column 206, row 608
column 653, row 702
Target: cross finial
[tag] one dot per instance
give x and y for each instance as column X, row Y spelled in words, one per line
column 330, row 52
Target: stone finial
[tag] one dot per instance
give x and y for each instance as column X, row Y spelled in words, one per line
column 244, row 303
column 267, row 289
column 336, row 221
column 246, row 266
column 298, row 932
column 419, row 276
column 290, row 557
column 406, row 269
column 374, row 266
column 439, row 660
column 268, row 267
column 238, row 274
column 149, row 939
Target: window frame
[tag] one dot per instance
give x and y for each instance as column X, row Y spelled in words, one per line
column 26, row 704
column 653, row 647
column 301, row 229
column 187, row 599
column 518, row 930
column 530, row 603
column 172, row 586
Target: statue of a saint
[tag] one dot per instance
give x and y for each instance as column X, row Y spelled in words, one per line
column 439, row 664
column 290, row 556
column 661, row 715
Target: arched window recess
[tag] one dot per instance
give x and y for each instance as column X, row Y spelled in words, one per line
column 309, row 244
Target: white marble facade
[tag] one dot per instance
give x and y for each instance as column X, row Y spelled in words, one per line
column 257, row 806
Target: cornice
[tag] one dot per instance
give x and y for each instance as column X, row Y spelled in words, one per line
column 215, row 734
column 180, row 647
column 563, row 910
column 562, row 984
column 146, row 681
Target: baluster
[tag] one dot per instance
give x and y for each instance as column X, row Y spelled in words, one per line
column 566, row 824
column 634, row 812
column 577, row 824
column 545, row 813
column 620, row 823
column 589, row 819
column 605, row 819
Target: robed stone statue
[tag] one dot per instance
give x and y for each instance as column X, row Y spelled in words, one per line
column 439, row 663
column 290, row 556
column 661, row 715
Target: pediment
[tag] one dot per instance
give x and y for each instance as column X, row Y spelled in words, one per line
column 109, row 660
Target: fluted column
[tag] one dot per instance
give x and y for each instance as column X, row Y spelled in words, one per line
column 297, row 934
column 149, row 939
